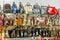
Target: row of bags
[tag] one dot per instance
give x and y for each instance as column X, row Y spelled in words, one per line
column 33, row 32
column 28, row 9
column 18, row 20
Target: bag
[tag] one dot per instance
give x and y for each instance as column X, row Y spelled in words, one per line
column 37, row 31
column 58, row 33
column 7, row 8
column 52, row 10
column 0, row 28
column 36, row 8
column 59, row 11
column 12, row 33
column 14, row 8
column 28, row 8
column 40, row 21
column 19, row 20
column 21, row 8
column 1, row 20
column 43, row 10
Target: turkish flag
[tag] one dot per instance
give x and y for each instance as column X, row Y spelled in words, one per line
column 52, row 10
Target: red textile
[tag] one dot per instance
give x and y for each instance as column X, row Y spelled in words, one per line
column 52, row 10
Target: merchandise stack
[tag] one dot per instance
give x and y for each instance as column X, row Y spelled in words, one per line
column 29, row 21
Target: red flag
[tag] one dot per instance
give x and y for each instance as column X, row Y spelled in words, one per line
column 52, row 10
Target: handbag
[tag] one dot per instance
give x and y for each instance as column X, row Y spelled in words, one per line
column 7, row 8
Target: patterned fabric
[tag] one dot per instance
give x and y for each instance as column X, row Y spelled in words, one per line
column 14, row 8
column 21, row 8
column 52, row 10
column 36, row 8
column 43, row 10
column 7, row 8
